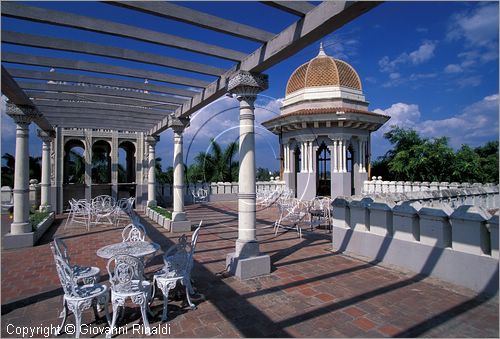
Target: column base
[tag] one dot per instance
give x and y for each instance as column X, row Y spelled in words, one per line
column 151, row 203
column 247, row 268
column 179, row 216
column 20, row 228
column 12, row 241
column 180, row 226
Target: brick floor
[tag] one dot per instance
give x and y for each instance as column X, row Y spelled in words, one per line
column 311, row 291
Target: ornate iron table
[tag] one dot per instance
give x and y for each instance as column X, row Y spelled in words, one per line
column 138, row 249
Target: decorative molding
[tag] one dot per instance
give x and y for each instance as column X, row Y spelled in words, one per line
column 151, row 140
column 246, row 85
column 179, row 124
column 44, row 136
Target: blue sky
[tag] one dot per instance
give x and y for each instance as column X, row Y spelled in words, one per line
column 432, row 66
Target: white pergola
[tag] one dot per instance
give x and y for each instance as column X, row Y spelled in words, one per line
column 96, row 95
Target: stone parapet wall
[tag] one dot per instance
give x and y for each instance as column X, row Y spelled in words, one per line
column 429, row 194
column 458, row 245
column 217, row 191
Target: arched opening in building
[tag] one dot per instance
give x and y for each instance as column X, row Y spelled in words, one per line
column 101, row 168
column 323, row 175
column 73, row 170
column 297, row 163
column 126, row 169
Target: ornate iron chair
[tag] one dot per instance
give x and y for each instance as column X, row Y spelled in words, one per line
column 103, row 206
column 133, row 232
column 127, row 281
column 78, row 298
column 79, row 213
column 178, row 263
column 293, row 211
column 124, row 209
column 85, row 274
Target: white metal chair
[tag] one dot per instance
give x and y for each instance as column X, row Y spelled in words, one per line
column 78, row 298
column 127, row 281
column 178, row 263
column 103, row 207
column 201, row 195
column 124, row 209
column 85, row 274
column 133, row 232
column 79, row 213
column 293, row 212
column 320, row 208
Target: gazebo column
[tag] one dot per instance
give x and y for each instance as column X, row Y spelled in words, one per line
column 340, row 177
column 179, row 221
column 21, row 223
column 151, row 142
column 306, row 181
column 45, row 184
column 247, row 261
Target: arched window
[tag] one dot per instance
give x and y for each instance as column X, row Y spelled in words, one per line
column 74, row 162
column 126, row 162
column 101, row 162
column 323, row 174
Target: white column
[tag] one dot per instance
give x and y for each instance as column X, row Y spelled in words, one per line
column 178, row 212
column 20, row 223
column 45, row 183
column 151, row 142
column 285, row 158
column 360, row 155
column 114, row 164
column 335, row 156
column 363, row 156
column 246, row 86
column 344, row 167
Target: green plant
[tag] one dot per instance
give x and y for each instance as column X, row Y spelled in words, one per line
column 162, row 211
column 37, row 217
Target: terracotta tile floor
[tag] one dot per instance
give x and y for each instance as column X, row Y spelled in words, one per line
column 311, row 291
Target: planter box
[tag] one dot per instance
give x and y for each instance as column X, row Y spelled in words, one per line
column 11, row 241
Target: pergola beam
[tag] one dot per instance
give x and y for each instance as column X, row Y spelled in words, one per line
column 197, row 18
column 40, row 86
column 79, row 78
column 300, row 8
column 37, row 97
column 103, row 119
column 80, row 65
column 100, row 109
column 16, row 96
column 18, row 11
column 83, row 123
column 23, row 39
column 321, row 20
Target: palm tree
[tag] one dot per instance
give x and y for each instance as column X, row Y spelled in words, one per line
column 76, row 168
column 218, row 165
column 35, row 169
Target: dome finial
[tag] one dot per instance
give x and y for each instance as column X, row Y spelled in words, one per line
column 321, row 50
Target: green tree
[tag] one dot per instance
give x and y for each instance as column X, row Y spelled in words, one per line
column 35, row 169
column 414, row 158
column 76, row 168
column 217, row 165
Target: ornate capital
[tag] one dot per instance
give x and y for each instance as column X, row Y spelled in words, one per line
column 247, row 85
column 152, row 139
column 179, row 124
column 22, row 115
column 46, row 137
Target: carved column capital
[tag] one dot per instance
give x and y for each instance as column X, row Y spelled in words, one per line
column 151, row 140
column 179, row 124
column 246, row 85
column 22, row 115
column 46, row 137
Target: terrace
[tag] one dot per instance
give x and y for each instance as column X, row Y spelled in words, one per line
column 312, row 291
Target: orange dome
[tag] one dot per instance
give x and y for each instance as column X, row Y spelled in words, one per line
column 323, row 70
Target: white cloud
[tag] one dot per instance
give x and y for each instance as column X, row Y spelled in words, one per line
column 423, row 53
column 340, row 47
column 477, row 26
column 471, row 81
column 474, row 125
column 394, row 76
column 453, row 68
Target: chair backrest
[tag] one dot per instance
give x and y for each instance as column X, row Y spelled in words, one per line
column 124, row 272
column 176, row 259
column 103, row 203
column 61, row 249
column 133, row 232
column 194, row 240
column 65, row 273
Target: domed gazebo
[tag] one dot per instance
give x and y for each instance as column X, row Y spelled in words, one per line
column 325, row 129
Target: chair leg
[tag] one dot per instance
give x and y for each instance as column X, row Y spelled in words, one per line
column 113, row 321
column 193, row 306
column 78, row 321
column 165, row 305
column 144, row 316
column 64, row 315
